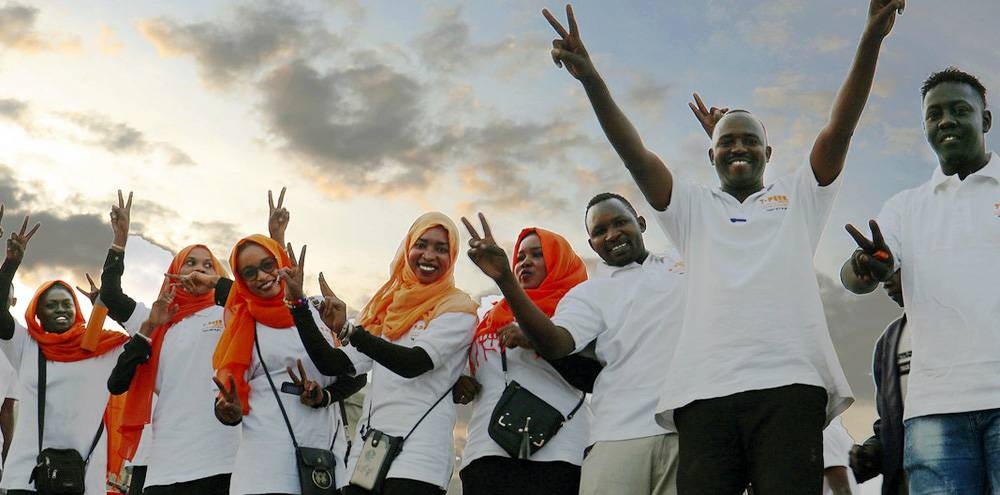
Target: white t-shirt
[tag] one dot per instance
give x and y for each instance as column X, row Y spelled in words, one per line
column 945, row 235
column 633, row 315
column 539, row 377
column 8, row 377
column 754, row 317
column 76, row 394
column 185, row 441
column 396, row 403
column 265, row 460
column 837, row 443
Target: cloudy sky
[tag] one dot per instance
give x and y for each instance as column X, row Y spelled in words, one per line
column 372, row 112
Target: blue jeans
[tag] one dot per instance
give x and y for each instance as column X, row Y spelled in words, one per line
column 953, row 453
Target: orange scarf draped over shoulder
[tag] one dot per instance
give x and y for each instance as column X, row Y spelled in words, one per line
column 403, row 301
column 243, row 310
column 137, row 406
column 65, row 347
column 564, row 270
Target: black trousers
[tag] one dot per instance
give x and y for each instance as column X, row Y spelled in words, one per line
column 212, row 485
column 494, row 475
column 399, row 486
column 771, row 438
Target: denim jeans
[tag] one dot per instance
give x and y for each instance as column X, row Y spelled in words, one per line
column 953, row 453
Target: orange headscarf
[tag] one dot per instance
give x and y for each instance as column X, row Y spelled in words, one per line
column 139, row 403
column 243, row 310
column 403, row 300
column 564, row 270
column 65, row 347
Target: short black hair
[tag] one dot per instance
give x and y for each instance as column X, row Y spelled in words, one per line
column 955, row 75
column 751, row 114
column 604, row 196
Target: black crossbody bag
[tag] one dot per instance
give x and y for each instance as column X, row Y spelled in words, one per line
column 58, row 471
column 379, row 450
column 522, row 423
column 316, row 466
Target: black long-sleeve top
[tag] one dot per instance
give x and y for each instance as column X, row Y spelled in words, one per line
column 7, row 271
column 408, row 362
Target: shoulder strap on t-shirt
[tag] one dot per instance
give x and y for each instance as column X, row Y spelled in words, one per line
column 284, row 415
column 371, row 404
column 41, row 408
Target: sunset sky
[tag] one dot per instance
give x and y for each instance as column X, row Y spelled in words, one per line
column 373, row 112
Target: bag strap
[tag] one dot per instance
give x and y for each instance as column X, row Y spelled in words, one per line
column 371, row 403
column 284, row 415
column 42, row 379
column 446, row 393
column 347, row 433
column 503, row 364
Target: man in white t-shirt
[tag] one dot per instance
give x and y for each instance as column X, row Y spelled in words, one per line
column 754, row 379
column 837, row 476
column 630, row 312
column 8, row 390
column 944, row 235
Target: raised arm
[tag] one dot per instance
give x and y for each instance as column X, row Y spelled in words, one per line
column 648, row 171
column 17, row 244
column 830, row 149
column 549, row 340
column 139, row 348
column 120, row 305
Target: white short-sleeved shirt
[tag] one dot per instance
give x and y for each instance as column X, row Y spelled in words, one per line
column 8, row 377
column 945, row 236
column 76, row 394
column 396, row 403
column 265, row 460
column 837, row 443
column 185, row 441
column 754, row 316
column 633, row 316
column 539, row 377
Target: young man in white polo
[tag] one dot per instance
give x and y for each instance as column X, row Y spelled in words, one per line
column 631, row 310
column 754, row 378
column 944, row 235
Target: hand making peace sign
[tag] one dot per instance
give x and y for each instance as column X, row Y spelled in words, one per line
column 93, row 292
column 485, row 252
column 312, row 393
column 873, row 262
column 568, row 49
column 228, row 407
column 277, row 216
column 17, row 243
column 294, row 274
column 708, row 117
column 163, row 308
column 332, row 310
column 120, row 218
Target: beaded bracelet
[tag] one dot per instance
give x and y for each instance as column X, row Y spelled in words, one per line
column 296, row 303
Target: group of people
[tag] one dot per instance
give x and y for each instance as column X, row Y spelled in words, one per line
column 705, row 371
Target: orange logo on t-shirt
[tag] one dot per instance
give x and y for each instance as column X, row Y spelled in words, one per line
column 774, row 202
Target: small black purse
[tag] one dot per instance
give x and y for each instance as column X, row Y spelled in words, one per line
column 316, row 466
column 522, row 423
column 58, row 471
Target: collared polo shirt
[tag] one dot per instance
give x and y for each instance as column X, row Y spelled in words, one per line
column 633, row 315
column 754, row 319
column 945, row 235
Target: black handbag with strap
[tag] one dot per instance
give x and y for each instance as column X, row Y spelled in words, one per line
column 522, row 423
column 316, row 466
column 58, row 471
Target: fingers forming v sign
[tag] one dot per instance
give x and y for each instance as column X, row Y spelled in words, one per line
column 120, row 218
column 164, row 308
column 93, row 292
column 311, row 394
column 277, row 216
column 17, row 244
column 875, row 261
column 568, row 49
column 293, row 275
column 485, row 252
column 228, row 403
column 708, row 117
column 332, row 310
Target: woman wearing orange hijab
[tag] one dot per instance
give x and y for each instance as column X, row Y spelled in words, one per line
column 413, row 338
column 259, row 340
column 75, row 397
column 187, row 450
column 547, row 268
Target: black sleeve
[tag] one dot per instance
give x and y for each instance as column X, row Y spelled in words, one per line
column 7, row 271
column 222, row 288
column 137, row 351
column 869, row 456
column 328, row 360
column 407, row 362
column 346, row 386
column 120, row 306
column 580, row 372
